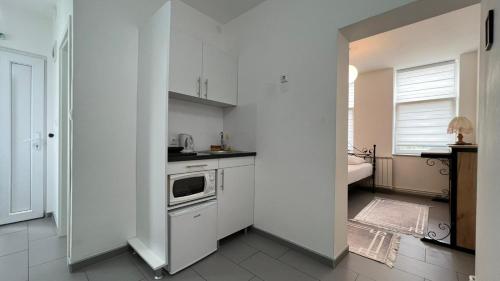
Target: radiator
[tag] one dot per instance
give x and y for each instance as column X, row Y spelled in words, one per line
column 383, row 174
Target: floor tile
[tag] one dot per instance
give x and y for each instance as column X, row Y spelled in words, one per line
column 364, row 278
column 14, row 267
column 13, row 242
column 120, row 268
column 42, row 228
column 56, row 270
column 265, row 245
column 451, row 259
column 218, row 268
column 236, row 250
column 426, row 270
column 267, row 268
column 47, row 249
column 13, row 227
column 463, row 277
column 185, row 275
column 316, row 269
column 375, row 270
column 412, row 251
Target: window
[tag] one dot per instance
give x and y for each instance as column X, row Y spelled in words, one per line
column 425, row 102
column 350, row 124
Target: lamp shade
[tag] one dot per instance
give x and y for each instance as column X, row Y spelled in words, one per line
column 460, row 125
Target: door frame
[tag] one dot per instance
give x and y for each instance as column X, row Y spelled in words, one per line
column 44, row 126
column 64, row 191
column 399, row 17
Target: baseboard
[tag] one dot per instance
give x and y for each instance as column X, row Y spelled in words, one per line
column 98, row 258
column 312, row 254
column 342, row 255
column 411, row 191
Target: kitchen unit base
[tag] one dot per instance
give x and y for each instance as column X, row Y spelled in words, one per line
column 155, row 262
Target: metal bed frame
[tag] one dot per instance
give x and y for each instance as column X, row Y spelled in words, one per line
column 367, row 154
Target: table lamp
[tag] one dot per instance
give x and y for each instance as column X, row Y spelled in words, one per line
column 460, row 125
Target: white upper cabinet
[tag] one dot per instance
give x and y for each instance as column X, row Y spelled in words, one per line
column 200, row 69
column 220, row 75
column 185, row 64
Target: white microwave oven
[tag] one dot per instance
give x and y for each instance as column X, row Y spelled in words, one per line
column 188, row 187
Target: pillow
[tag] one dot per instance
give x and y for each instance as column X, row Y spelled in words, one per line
column 354, row 160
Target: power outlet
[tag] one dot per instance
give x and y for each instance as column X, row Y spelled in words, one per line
column 173, row 141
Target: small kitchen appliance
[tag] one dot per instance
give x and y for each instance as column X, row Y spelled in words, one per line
column 186, row 141
column 188, row 187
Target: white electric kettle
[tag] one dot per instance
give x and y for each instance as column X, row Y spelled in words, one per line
column 186, row 141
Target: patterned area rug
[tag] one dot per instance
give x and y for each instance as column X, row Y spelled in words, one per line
column 372, row 242
column 397, row 216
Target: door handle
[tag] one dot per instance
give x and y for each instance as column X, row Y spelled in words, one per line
column 196, row 166
column 222, row 180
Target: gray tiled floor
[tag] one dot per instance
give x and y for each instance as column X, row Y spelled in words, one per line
column 32, row 251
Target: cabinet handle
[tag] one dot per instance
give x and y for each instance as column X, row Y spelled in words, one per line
column 199, row 87
column 206, row 88
column 196, row 166
column 222, row 180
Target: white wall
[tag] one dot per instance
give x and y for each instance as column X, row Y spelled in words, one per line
column 26, row 31
column 488, row 220
column 203, row 122
column 105, row 105
column 467, row 105
column 373, row 124
column 32, row 32
column 294, row 124
column 373, row 106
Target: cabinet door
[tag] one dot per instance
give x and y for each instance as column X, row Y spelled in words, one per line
column 220, row 74
column 235, row 196
column 185, row 64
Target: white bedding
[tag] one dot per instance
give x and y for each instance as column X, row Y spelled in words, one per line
column 358, row 172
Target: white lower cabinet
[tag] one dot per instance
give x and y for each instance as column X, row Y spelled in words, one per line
column 235, row 198
column 192, row 235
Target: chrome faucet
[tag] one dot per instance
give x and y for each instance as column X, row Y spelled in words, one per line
column 222, row 140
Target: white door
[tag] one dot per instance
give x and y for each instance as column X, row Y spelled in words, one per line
column 22, row 104
column 235, row 196
column 220, row 74
column 185, row 64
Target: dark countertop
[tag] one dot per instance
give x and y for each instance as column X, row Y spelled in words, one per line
column 207, row 155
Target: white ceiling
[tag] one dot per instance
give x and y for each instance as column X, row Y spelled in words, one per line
column 223, row 10
column 41, row 7
column 437, row 39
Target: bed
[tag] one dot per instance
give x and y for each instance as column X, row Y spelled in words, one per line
column 362, row 165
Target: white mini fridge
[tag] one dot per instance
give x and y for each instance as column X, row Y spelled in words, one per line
column 192, row 234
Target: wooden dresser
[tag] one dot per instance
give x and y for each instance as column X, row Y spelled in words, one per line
column 463, row 178
column 462, row 162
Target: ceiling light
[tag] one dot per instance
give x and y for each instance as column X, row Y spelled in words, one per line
column 353, row 73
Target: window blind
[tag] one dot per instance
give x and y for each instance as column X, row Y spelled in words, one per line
column 425, row 104
column 350, row 126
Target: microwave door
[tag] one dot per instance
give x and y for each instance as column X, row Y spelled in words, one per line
column 185, row 188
